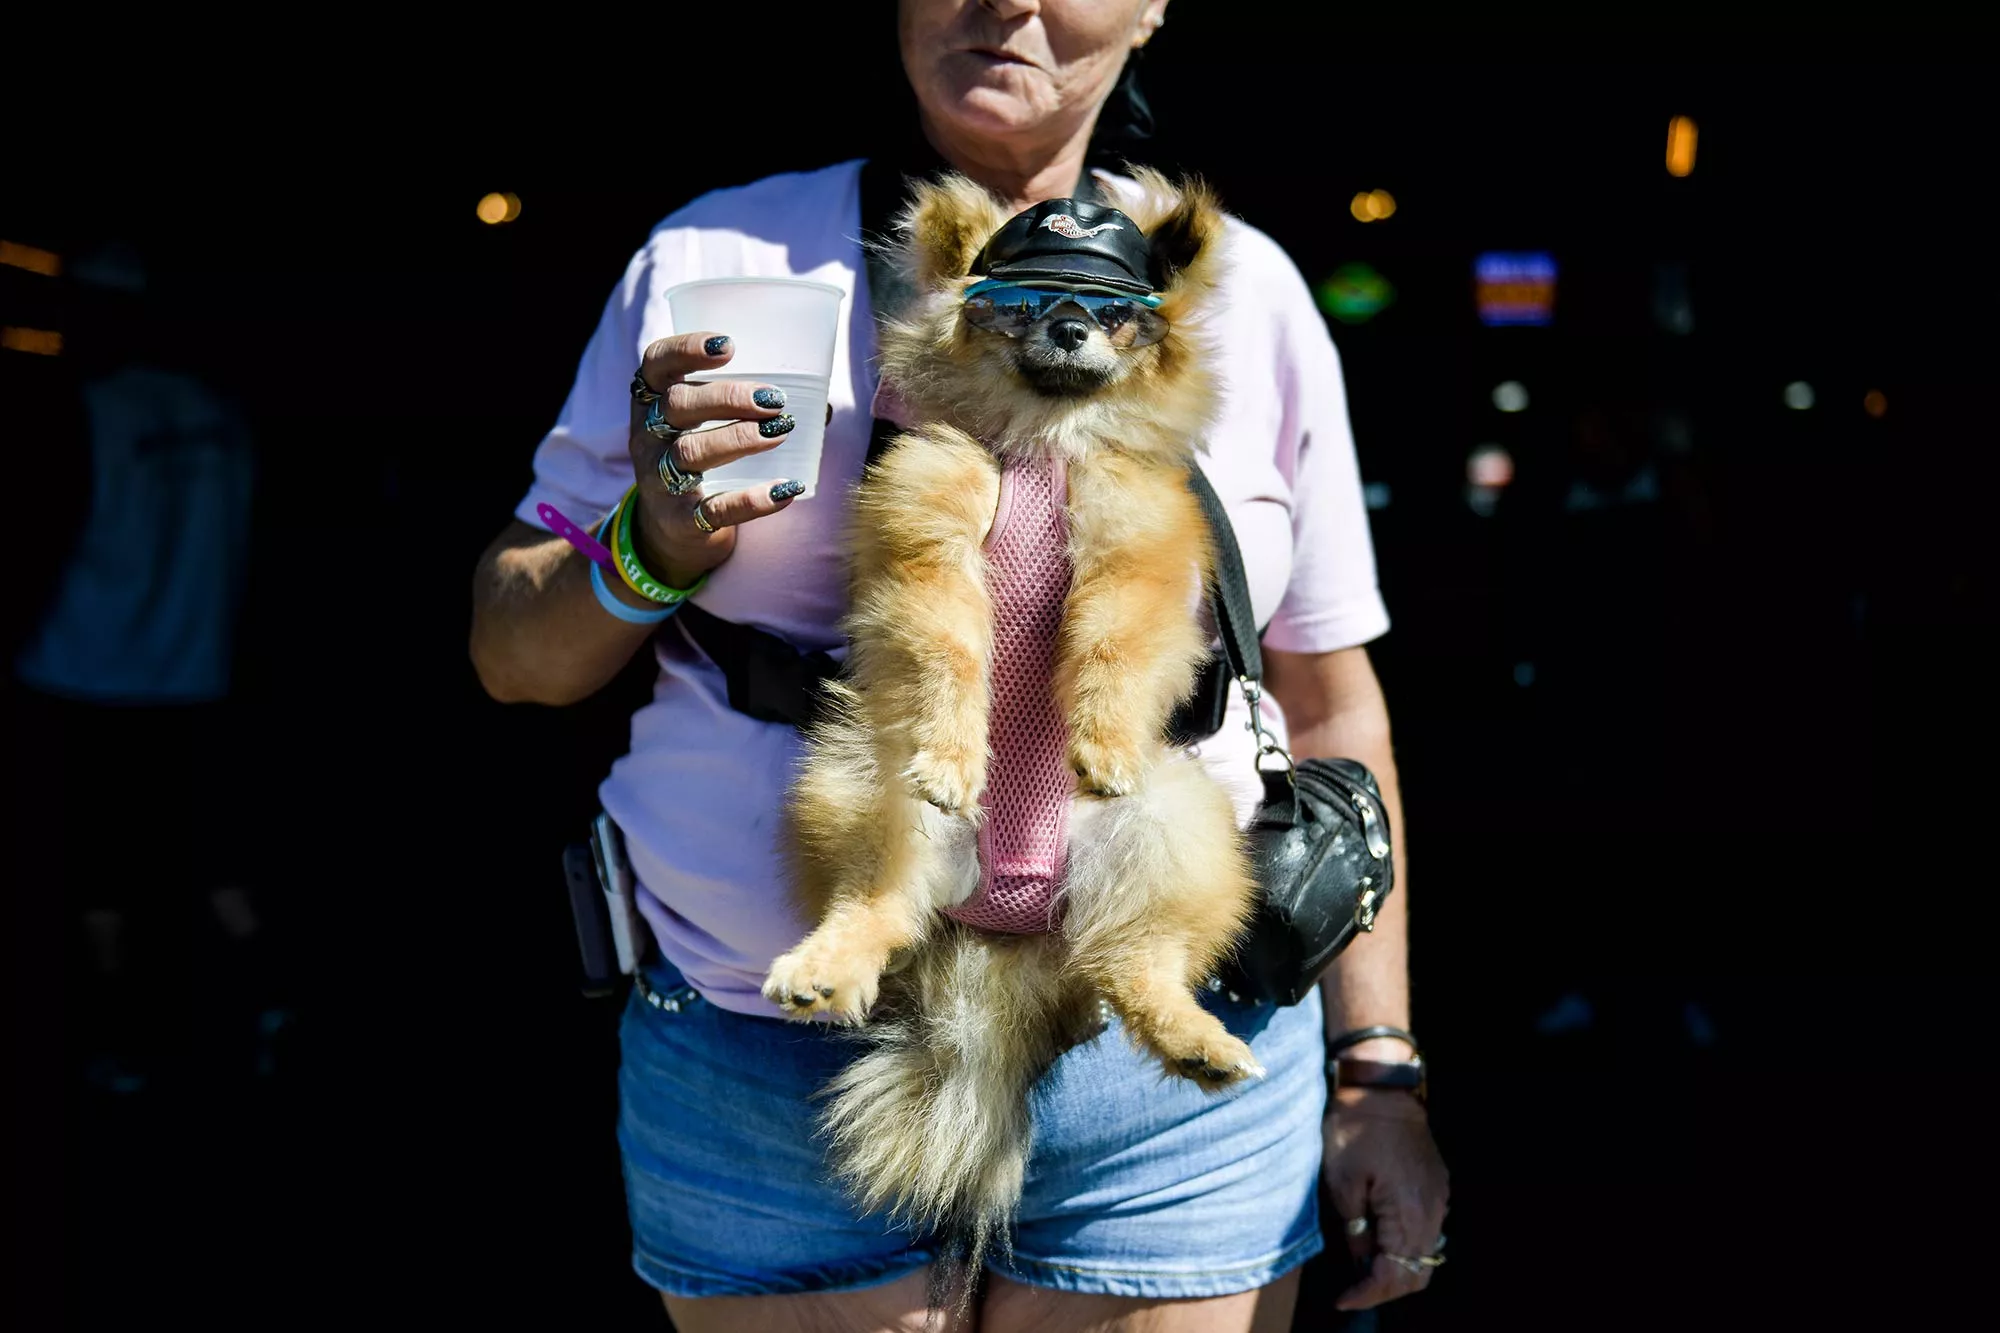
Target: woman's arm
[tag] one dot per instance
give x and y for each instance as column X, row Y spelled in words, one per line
column 1381, row 1163
column 1334, row 710
column 538, row 633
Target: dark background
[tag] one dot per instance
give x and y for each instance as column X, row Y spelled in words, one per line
column 1695, row 944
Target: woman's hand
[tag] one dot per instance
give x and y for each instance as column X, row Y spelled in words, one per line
column 1382, row 1165
column 671, row 545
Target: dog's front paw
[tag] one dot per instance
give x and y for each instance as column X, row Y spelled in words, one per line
column 811, row 980
column 952, row 784
column 1208, row 1054
column 1105, row 768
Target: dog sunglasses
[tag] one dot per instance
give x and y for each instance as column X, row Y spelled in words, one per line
column 1011, row 309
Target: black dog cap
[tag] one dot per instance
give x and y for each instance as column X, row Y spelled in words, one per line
column 1069, row 241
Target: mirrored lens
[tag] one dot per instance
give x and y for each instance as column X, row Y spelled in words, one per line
column 1011, row 311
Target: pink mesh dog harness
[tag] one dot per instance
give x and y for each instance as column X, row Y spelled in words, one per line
column 1025, row 833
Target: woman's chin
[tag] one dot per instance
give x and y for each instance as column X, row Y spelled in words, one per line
column 987, row 110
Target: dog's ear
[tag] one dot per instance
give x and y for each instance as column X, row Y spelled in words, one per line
column 1183, row 225
column 943, row 229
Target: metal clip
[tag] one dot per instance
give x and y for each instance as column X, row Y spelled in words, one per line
column 1371, row 827
column 1365, row 909
column 1267, row 744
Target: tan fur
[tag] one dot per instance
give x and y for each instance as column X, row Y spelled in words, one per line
column 931, row 1121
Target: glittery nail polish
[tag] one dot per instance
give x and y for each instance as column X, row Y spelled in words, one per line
column 768, row 397
column 717, row 345
column 785, row 490
column 776, row 426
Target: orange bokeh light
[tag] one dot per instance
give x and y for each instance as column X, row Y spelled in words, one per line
column 497, row 208
column 1680, row 146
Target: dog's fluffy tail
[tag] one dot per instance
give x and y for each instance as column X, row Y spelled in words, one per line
column 930, row 1123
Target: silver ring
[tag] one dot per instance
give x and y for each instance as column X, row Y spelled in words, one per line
column 701, row 519
column 641, row 390
column 1418, row 1264
column 1357, row 1226
column 677, row 481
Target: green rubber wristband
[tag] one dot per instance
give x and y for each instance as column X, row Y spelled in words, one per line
column 635, row 575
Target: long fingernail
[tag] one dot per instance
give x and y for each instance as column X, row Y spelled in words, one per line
column 717, row 345
column 768, row 397
column 785, row 490
column 776, row 426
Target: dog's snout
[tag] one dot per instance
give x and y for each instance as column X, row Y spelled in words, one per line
column 1069, row 334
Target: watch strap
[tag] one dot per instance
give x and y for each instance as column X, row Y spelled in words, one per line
column 1398, row 1075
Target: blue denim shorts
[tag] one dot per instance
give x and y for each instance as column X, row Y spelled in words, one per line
column 1138, row 1185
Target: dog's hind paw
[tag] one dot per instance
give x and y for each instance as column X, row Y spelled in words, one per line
column 809, row 981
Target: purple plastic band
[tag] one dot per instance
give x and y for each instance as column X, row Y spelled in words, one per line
column 575, row 536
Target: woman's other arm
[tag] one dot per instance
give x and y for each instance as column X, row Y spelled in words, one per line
column 1334, row 710
column 1380, row 1162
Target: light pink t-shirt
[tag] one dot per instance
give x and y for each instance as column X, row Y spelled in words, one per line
column 699, row 793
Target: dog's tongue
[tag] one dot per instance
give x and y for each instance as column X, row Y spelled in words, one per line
column 890, row 407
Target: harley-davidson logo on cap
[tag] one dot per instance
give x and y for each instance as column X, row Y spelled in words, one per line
column 1062, row 224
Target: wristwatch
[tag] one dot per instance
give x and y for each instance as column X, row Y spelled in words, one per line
column 1344, row 1071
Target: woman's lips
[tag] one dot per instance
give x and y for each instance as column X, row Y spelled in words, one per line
column 993, row 57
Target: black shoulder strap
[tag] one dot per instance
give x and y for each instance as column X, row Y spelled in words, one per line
column 767, row 677
column 1235, row 621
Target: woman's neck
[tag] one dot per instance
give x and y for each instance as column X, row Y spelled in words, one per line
column 1022, row 177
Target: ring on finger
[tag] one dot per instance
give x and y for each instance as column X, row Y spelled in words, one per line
column 1420, row 1264
column 672, row 476
column 1357, row 1226
column 701, row 517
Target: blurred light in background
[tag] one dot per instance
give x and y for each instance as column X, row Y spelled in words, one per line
column 1799, row 395
column 1511, row 396
column 1354, row 293
column 1515, row 288
column 1489, row 469
column 1372, row 205
column 30, row 257
column 1673, row 305
column 35, row 342
column 1680, row 146
column 1875, row 404
column 497, row 208
column 1375, row 494
column 1489, row 465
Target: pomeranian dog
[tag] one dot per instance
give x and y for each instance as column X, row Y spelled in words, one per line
column 989, row 827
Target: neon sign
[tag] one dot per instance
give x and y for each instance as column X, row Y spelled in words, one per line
column 1515, row 288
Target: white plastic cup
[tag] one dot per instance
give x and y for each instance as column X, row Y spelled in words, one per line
column 784, row 331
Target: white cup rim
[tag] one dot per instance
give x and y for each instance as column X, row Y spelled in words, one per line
column 827, row 287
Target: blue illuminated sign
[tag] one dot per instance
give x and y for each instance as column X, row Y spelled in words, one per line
column 1515, row 288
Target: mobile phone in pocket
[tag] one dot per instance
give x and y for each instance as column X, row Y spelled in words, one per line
column 629, row 936
column 593, row 921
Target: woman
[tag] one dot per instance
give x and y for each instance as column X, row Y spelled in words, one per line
column 1147, row 1206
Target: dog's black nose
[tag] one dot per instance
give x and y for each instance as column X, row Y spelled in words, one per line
column 1069, row 334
